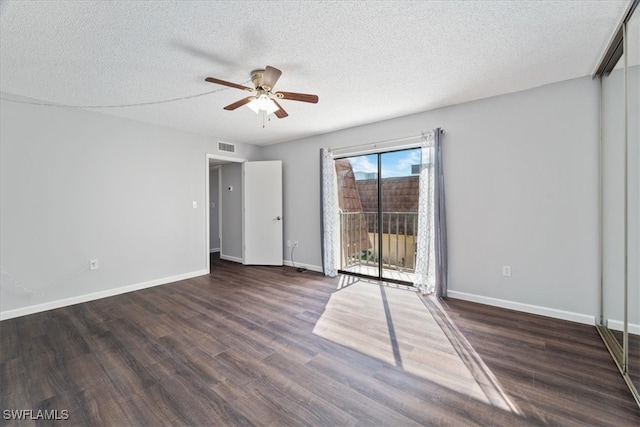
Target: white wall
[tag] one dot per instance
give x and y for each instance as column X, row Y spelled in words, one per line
column 78, row 185
column 521, row 187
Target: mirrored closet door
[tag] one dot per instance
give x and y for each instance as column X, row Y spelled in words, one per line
column 619, row 79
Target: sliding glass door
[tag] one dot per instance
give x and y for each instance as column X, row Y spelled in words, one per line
column 378, row 214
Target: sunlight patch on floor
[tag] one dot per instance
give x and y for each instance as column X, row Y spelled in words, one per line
column 395, row 326
column 387, row 273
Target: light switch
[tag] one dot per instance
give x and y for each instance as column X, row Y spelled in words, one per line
column 195, row 204
column 506, row 270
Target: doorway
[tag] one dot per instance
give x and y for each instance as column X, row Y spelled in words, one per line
column 214, row 209
column 228, row 208
column 378, row 196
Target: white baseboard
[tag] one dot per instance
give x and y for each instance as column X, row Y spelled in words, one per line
column 526, row 308
column 51, row 305
column 231, row 258
column 618, row 325
column 309, row 267
column 212, row 250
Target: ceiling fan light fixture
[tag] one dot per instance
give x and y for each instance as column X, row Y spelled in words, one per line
column 272, row 107
column 254, row 106
column 263, row 103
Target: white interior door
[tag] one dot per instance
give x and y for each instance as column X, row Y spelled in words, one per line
column 263, row 213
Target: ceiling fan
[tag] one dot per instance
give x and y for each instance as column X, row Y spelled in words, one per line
column 263, row 98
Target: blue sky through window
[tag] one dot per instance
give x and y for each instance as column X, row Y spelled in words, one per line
column 394, row 164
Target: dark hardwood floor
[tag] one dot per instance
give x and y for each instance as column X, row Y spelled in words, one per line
column 271, row 346
column 634, row 355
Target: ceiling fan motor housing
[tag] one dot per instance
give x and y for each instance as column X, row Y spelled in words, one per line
column 257, row 79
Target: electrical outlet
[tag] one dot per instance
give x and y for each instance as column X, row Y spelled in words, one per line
column 506, row 270
column 93, row 264
column 288, row 243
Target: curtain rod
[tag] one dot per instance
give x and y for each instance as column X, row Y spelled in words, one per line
column 375, row 144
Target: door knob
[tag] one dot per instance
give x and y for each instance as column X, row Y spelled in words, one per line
column 277, row 218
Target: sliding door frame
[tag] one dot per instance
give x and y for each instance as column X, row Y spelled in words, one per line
column 618, row 46
column 380, row 219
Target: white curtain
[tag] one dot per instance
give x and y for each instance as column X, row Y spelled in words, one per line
column 329, row 214
column 431, row 256
column 425, row 273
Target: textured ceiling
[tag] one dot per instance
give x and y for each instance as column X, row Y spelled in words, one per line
column 367, row 61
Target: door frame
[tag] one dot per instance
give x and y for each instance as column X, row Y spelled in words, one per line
column 222, row 160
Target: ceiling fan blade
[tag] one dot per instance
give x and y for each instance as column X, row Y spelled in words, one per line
column 281, row 114
column 224, row 83
column 298, row 97
column 270, row 76
column 240, row 103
